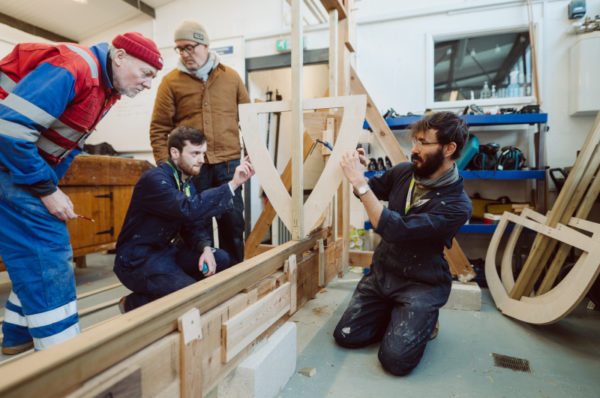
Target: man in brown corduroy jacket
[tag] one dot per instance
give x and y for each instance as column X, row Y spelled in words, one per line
column 204, row 94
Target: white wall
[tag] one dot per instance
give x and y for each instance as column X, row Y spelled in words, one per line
column 391, row 40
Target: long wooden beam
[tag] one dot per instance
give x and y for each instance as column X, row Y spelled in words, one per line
column 335, row 5
column 61, row 368
column 32, row 29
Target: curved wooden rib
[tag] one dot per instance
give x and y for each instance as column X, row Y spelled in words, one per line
column 558, row 302
column 506, row 268
column 320, row 197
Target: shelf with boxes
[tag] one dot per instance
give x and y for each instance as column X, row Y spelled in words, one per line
column 537, row 172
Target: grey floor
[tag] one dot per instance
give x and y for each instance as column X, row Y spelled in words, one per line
column 564, row 357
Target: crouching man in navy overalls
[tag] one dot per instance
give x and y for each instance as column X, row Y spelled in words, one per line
column 164, row 246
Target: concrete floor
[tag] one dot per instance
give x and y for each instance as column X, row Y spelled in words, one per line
column 564, row 358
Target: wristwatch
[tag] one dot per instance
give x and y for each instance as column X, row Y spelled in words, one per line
column 363, row 190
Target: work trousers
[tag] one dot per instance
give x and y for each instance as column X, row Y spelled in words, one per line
column 231, row 223
column 163, row 273
column 35, row 250
column 402, row 318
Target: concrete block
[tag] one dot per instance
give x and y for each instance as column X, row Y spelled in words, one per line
column 464, row 296
column 267, row 370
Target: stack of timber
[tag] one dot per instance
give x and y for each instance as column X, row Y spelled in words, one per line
column 183, row 344
column 564, row 227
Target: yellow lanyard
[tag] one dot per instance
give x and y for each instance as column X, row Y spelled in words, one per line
column 411, row 187
column 186, row 188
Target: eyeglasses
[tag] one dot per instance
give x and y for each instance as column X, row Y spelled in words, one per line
column 421, row 144
column 189, row 48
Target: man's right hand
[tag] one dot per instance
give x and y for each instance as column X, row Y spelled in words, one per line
column 242, row 173
column 362, row 157
column 59, row 205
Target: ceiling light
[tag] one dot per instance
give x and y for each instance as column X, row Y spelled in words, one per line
column 81, row 1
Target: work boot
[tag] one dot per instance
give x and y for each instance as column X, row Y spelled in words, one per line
column 17, row 349
column 122, row 304
column 435, row 331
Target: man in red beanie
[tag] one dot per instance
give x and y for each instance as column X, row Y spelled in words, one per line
column 51, row 98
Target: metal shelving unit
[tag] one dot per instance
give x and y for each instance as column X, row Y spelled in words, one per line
column 538, row 174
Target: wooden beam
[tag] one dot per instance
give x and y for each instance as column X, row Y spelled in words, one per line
column 143, row 7
column 32, row 29
column 251, row 248
column 377, row 123
column 297, row 228
column 60, row 368
column 361, row 258
column 335, row 5
column 242, row 329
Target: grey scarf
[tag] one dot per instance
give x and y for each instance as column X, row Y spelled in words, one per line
column 202, row 73
column 449, row 177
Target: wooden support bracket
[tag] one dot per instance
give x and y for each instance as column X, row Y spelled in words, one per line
column 241, row 330
column 190, row 331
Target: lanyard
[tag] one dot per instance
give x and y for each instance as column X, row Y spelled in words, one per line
column 186, row 188
column 411, row 187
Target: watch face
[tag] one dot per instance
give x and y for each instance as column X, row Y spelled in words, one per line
column 363, row 190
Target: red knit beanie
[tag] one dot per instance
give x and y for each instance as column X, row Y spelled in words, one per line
column 140, row 47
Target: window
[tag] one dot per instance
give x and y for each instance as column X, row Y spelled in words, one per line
column 482, row 67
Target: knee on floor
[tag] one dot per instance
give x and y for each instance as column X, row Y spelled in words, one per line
column 397, row 365
column 343, row 337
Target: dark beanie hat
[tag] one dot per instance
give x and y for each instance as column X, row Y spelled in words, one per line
column 141, row 47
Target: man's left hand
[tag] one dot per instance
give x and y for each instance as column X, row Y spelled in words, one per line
column 353, row 168
column 209, row 258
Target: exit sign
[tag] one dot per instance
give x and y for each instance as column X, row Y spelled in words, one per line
column 286, row 44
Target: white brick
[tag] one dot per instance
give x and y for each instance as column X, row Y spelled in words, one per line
column 267, row 370
column 464, row 296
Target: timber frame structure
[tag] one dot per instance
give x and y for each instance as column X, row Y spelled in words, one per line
column 186, row 343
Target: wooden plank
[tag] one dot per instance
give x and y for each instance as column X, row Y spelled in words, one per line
column 297, row 224
column 243, row 328
column 293, row 279
column 62, row 367
column 540, row 249
column 190, row 332
column 104, row 170
column 321, row 263
column 335, row 5
column 333, row 260
column 361, row 258
column 308, row 278
column 377, row 123
column 212, row 369
column 268, row 284
column 459, row 264
column 158, row 364
column 268, row 213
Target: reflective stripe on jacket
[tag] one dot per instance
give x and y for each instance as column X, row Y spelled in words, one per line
column 51, row 97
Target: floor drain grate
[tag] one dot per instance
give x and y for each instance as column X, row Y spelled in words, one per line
column 505, row 361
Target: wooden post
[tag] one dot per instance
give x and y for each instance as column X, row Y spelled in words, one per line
column 190, row 332
column 292, row 272
column 321, row 263
column 297, row 122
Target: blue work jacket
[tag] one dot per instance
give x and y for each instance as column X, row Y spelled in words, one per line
column 160, row 209
column 412, row 245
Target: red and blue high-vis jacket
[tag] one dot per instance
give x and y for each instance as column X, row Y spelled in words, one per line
column 51, row 98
